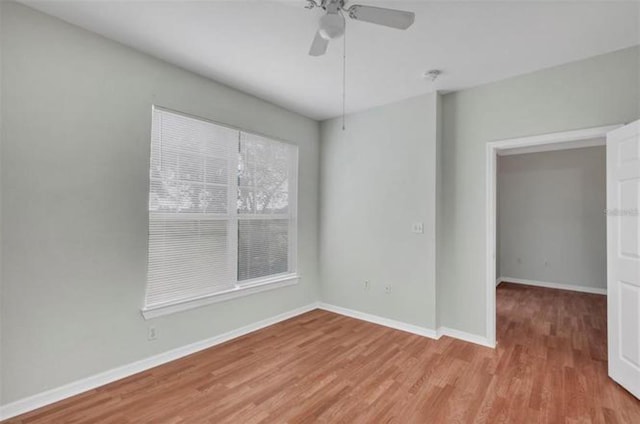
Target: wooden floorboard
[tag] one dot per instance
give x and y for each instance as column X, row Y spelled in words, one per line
column 549, row 367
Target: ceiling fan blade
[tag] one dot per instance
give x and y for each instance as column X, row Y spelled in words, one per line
column 393, row 18
column 318, row 46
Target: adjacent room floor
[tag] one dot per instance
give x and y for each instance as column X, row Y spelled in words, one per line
column 550, row 366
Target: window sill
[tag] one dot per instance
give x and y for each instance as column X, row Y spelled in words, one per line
column 239, row 291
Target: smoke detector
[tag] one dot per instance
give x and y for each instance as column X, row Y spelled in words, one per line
column 433, row 74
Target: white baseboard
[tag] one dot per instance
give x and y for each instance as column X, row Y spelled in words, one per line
column 409, row 328
column 59, row 393
column 582, row 289
column 464, row 336
column 398, row 325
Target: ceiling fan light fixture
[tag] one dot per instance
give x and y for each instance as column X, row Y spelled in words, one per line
column 331, row 26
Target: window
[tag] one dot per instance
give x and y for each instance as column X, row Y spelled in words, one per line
column 222, row 213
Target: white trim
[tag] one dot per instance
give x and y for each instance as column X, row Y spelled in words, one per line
column 567, row 139
column 409, row 328
column 244, row 289
column 375, row 319
column 491, row 205
column 577, row 144
column 559, row 286
column 464, row 336
column 59, row 393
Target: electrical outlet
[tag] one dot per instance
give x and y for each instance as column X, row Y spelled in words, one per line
column 387, row 288
column 367, row 285
column 152, row 334
column 417, row 228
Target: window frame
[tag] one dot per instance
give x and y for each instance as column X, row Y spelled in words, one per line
column 244, row 287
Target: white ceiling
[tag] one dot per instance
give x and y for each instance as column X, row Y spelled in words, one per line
column 261, row 46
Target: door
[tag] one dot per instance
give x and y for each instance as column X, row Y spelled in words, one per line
column 623, row 254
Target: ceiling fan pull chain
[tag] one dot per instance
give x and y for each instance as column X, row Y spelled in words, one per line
column 344, row 78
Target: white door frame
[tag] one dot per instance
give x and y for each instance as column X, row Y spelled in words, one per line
column 547, row 142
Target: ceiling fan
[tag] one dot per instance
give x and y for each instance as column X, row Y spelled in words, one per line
column 332, row 23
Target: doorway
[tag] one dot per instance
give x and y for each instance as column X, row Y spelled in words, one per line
column 544, row 143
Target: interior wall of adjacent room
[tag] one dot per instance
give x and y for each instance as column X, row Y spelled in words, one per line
column 75, row 167
column 379, row 176
column 599, row 91
column 551, row 222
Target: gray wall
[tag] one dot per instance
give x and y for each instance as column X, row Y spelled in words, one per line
column 599, row 91
column 75, row 164
column 1, row 290
column 378, row 177
column 551, row 222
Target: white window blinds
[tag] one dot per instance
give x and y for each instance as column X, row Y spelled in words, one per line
column 221, row 209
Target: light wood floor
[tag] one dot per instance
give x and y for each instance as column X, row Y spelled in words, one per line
column 549, row 367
